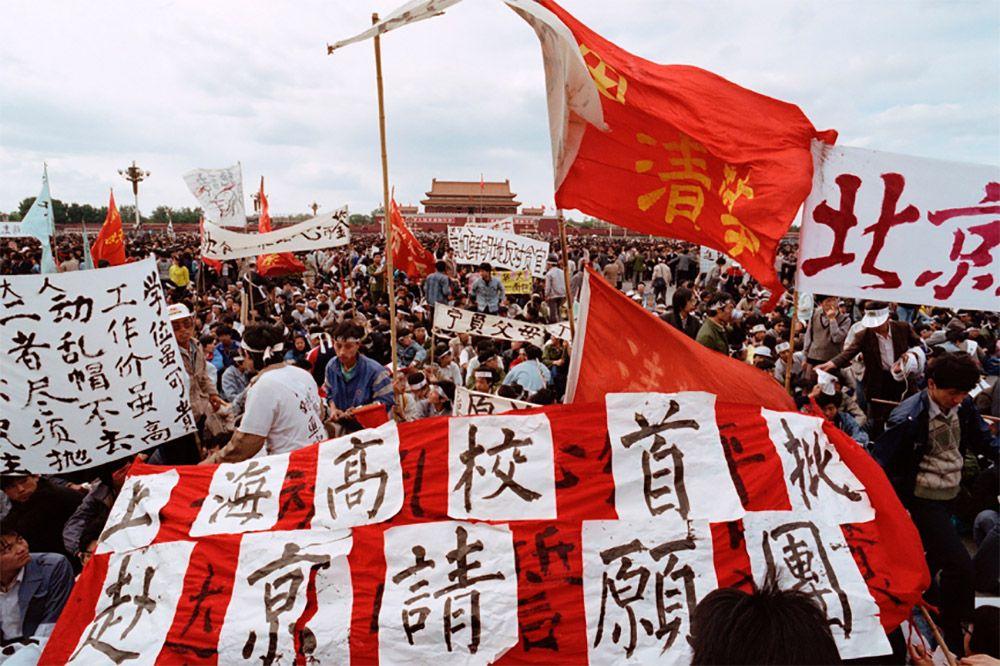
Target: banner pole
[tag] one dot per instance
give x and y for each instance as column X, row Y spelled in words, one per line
column 390, row 278
column 565, row 262
column 791, row 339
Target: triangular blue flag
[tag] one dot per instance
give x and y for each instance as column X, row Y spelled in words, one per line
column 39, row 222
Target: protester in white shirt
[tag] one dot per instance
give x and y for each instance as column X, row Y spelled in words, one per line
column 283, row 411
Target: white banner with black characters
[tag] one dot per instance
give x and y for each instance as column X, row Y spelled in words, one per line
column 89, row 370
column 474, row 403
column 317, row 233
column 457, row 320
column 220, row 193
column 475, row 245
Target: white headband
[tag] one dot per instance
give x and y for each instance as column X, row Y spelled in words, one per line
column 419, row 385
column 268, row 352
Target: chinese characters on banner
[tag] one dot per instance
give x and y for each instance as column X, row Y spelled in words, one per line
column 474, row 403
column 90, row 369
column 367, row 548
column 811, row 556
column 323, row 231
column 220, row 193
column 667, row 458
column 900, row 228
column 278, row 576
column 474, row 245
column 450, row 594
column 515, row 282
column 642, row 580
column 457, row 320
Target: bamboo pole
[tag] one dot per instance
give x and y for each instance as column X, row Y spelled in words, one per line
column 390, row 279
column 949, row 657
column 791, row 339
column 565, row 262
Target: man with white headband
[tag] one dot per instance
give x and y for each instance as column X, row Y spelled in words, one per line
column 283, row 411
column 880, row 342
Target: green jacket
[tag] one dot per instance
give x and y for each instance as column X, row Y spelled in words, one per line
column 713, row 336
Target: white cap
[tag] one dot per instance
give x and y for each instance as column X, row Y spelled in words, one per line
column 178, row 311
column 781, row 347
column 875, row 318
column 763, row 351
column 825, row 381
column 759, row 328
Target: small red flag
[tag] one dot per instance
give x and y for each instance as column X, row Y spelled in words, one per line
column 654, row 356
column 271, row 265
column 110, row 243
column 687, row 154
column 408, row 255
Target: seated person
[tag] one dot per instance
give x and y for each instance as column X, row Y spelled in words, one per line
column 39, row 510
column 830, row 402
column 34, row 588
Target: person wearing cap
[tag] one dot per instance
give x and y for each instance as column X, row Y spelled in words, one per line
column 353, row 380
column 283, row 411
column 712, row 333
column 488, row 291
column 880, row 342
column 762, row 357
column 826, row 331
column 784, row 355
column 923, row 451
column 437, row 286
column 202, row 393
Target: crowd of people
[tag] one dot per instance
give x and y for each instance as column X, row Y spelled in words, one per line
column 279, row 362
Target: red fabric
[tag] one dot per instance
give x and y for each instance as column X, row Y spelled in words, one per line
column 213, row 264
column 749, row 156
column 655, row 356
column 110, row 243
column 408, row 255
column 371, row 416
column 272, row 265
column 550, row 599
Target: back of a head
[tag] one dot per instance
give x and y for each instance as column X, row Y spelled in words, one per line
column 985, row 637
column 953, row 371
column 766, row 626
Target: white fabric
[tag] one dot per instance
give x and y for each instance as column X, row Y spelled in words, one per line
column 10, row 612
column 322, row 231
column 283, row 405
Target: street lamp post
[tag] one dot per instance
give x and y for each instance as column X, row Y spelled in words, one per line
column 315, row 207
column 134, row 175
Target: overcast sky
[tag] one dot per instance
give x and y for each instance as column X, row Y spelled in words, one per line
column 89, row 87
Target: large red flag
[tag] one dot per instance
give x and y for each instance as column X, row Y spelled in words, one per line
column 271, row 265
column 110, row 243
column 685, row 153
column 653, row 356
column 408, row 255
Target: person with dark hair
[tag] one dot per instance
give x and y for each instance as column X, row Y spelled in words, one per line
column 283, row 412
column 531, row 374
column 681, row 315
column 437, row 286
column 31, row 497
column 829, row 404
column 981, row 642
column 765, row 626
column 488, row 291
column 923, row 452
column 712, row 333
column 352, row 379
column 34, row 587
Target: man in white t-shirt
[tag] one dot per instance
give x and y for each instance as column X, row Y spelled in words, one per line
column 283, row 410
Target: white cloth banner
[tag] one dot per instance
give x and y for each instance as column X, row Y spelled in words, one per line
column 560, row 330
column 323, row 231
column 901, row 228
column 474, row 403
column 505, row 225
column 13, row 230
column 220, row 193
column 475, row 245
column 90, row 367
column 457, row 320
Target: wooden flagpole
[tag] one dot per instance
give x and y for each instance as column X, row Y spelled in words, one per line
column 791, row 339
column 565, row 263
column 390, row 278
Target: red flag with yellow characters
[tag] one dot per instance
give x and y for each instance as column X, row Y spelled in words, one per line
column 272, row 265
column 110, row 243
column 685, row 154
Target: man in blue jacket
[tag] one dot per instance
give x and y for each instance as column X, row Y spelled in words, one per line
column 34, row 588
column 923, row 453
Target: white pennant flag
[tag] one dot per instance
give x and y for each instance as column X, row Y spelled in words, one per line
column 220, row 193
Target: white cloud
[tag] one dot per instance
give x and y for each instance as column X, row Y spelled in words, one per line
column 175, row 85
